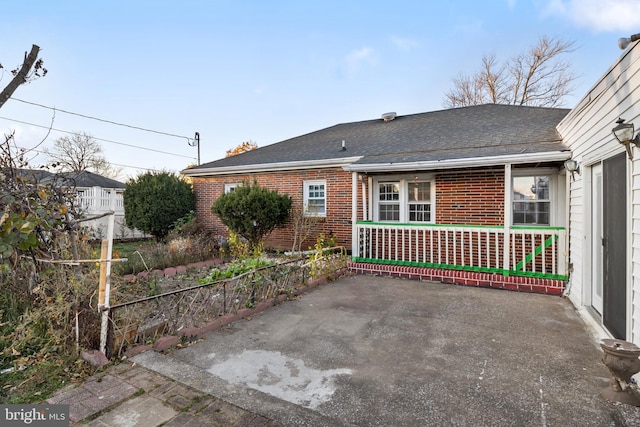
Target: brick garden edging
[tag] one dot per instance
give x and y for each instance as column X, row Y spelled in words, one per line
column 166, row 342
column 173, row 271
column 460, row 277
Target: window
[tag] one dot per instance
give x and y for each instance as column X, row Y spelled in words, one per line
column 532, row 200
column 389, row 201
column 315, row 198
column 404, row 200
column 420, row 201
column 228, row 188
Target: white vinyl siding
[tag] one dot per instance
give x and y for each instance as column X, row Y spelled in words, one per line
column 586, row 130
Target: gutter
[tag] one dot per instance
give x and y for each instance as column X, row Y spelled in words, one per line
column 272, row 167
column 550, row 156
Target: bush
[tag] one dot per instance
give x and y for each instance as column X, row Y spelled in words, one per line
column 154, row 201
column 252, row 211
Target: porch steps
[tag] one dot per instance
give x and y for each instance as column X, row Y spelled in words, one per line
column 460, row 277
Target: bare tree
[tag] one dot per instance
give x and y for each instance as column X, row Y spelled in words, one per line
column 80, row 152
column 304, row 225
column 540, row 77
column 23, row 73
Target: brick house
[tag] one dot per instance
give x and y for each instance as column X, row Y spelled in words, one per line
column 473, row 195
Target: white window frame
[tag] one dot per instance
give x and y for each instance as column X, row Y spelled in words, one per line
column 403, row 183
column 306, row 197
column 553, row 193
column 228, row 188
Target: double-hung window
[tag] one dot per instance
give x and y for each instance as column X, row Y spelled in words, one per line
column 531, row 199
column 419, row 201
column 315, row 198
column 404, row 200
column 389, row 201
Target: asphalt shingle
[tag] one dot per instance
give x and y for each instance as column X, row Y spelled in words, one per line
column 476, row 131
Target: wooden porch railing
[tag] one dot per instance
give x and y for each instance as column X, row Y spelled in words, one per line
column 517, row 250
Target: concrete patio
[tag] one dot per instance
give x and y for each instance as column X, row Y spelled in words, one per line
column 372, row 351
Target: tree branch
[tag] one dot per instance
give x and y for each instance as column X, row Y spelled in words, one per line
column 21, row 76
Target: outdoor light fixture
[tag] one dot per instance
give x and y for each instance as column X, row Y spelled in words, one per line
column 624, row 134
column 626, row 41
column 573, row 167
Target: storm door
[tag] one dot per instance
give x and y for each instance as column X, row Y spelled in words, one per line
column 614, row 245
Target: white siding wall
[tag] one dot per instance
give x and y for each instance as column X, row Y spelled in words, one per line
column 587, row 131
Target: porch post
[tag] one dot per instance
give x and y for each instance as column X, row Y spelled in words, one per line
column 355, row 245
column 364, row 198
column 508, row 192
column 370, row 192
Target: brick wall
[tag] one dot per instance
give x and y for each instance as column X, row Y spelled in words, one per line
column 473, row 197
column 338, row 193
column 462, row 197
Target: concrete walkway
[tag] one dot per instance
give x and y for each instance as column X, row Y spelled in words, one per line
column 373, row 351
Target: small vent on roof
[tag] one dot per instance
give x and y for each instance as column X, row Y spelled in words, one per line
column 387, row 117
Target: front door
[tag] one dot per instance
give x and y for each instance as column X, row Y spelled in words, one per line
column 614, row 241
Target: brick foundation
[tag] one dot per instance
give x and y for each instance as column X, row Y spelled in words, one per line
column 467, row 278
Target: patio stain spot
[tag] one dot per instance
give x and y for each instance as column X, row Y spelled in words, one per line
column 278, row 375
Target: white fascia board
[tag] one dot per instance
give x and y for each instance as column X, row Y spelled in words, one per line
column 552, row 156
column 272, row 167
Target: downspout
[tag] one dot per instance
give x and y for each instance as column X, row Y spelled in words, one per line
column 567, row 226
column 508, row 194
column 354, row 215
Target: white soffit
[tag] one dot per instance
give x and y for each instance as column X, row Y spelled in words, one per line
column 553, row 156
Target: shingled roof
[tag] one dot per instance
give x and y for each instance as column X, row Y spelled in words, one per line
column 72, row 179
column 483, row 131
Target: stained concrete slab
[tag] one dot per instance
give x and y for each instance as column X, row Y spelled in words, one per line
column 381, row 351
column 142, row 411
column 94, row 396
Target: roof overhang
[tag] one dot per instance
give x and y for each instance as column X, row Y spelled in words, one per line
column 551, row 156
column 271, row 167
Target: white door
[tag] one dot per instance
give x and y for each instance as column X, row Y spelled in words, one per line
column 596, row 238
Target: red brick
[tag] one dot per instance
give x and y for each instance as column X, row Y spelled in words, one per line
column 165, row 343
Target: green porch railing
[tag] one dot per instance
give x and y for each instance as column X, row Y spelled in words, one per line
column 530, row 251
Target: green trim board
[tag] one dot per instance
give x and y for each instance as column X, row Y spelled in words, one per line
column 463, row 268
column 537, row 251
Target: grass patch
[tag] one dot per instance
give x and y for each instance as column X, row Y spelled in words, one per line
column 39, row 381
column 126, row 248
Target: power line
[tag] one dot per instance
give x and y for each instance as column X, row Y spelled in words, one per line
column 114, row 164
column 104, row 120
column 98, row 139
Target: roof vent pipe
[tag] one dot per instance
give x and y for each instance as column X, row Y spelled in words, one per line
column 387, row 117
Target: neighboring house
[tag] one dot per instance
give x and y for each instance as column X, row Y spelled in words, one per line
column 604, row 208
column 96, row 195
column 473, row 195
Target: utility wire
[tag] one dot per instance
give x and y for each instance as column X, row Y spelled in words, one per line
column 98, row 139
column 114, row 164
column 104, row 120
